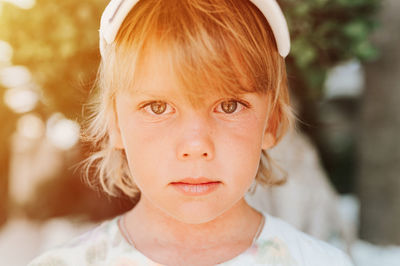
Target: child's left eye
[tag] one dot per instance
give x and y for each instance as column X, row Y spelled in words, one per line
column 157, row 108
column 231, row 106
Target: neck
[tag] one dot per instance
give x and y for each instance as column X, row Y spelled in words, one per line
column 147, row 224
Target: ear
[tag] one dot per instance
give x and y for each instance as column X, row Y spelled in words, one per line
column 114, row 131
column 268, row 141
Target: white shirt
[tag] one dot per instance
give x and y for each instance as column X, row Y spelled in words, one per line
column 279, row 244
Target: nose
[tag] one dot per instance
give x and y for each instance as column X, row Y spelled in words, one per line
column 195, row 141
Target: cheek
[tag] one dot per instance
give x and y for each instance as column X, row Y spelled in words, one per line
column 147, row 150
column 244, row 138
column 240, row 150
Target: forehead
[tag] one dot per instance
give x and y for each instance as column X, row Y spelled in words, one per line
column 168, row 71
column 154, row 74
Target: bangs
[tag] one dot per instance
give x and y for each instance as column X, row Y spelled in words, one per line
column 220, row 47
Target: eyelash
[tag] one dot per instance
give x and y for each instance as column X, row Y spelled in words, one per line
column 245, row 105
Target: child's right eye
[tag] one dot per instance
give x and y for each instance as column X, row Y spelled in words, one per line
column 156, row 107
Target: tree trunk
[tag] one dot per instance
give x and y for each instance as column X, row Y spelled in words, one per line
column 378, row 181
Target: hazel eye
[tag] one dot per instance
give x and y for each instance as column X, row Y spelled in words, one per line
column 232, row 106
column 229, row 106
column 157, row 107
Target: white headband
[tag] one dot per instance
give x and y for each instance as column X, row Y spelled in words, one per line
column 117, row 10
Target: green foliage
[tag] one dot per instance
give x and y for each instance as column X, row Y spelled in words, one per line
column 325, row 32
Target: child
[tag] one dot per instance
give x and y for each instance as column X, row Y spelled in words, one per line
column 191, row 95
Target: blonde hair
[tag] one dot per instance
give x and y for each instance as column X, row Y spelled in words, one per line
column 223, row 44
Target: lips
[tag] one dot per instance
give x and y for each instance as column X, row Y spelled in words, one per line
column 196, row 186
column 198, row 180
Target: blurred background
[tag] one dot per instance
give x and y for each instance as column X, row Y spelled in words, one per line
column 344, row 71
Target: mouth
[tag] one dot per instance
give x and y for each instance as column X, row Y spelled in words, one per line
column 196, row 186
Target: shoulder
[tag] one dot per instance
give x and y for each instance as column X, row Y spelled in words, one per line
column 92, row 246
column 298, row 247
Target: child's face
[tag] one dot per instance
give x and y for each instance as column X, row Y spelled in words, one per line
column 221, row 141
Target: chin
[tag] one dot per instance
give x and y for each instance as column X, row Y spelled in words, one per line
column 197, row 213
